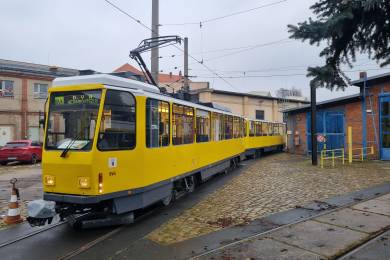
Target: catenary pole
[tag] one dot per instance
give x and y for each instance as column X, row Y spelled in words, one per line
column 313, row 113
column 186, row 87
column 154, row 60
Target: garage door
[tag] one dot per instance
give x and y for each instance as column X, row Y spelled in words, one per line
column 33, row 134
column 6, row 134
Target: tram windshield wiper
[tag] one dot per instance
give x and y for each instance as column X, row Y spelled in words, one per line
column 67, row 148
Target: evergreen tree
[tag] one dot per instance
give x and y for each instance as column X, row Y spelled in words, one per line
column 348, row 27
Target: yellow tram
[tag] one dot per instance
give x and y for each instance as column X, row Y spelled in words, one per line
column 115, row 145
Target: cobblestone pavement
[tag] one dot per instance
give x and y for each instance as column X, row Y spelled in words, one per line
column 29, row 185
column 272, row 184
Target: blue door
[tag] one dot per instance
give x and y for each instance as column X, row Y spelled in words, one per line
column 385, row 127
column 331, row 125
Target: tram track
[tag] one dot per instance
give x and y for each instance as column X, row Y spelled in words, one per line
column 28, row 235
column 330, row 210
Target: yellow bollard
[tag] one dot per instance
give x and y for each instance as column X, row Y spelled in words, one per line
column 349, row 144
column 362, row 153
column 332, row 158
column 342, row 154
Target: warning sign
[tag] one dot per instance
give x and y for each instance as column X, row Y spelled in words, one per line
column 321, row 138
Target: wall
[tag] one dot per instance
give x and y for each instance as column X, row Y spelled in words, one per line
column 247, row 105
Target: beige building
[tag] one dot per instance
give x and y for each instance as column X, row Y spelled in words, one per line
column 23, row 92
column 254, row 105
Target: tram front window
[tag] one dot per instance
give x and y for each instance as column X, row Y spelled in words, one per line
column 72, row 120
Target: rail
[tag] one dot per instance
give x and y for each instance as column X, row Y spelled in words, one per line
column 339, row 153
column 363, row 152
column 332, row 155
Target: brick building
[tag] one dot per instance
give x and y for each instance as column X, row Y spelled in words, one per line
column 23, row 91
column 368, row 113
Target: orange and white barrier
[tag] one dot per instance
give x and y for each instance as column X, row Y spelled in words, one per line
column 13, row 216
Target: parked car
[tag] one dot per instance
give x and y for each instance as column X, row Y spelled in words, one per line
column 22, row 151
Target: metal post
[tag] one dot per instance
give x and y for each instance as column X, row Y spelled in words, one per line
column 186, row 87
column 364, row 114
column 332, row 158
column 313, row 125
column 155, row 33
column 349, row 144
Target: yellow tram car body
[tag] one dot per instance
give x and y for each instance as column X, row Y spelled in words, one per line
column 185, row 139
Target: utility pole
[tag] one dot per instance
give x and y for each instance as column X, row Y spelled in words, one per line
column 186, row 87
column 313, row 113
column 155, row 53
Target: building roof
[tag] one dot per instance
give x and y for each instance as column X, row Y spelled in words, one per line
column 377, row 79
column 32, row 69
column 325, row 104
column 162, row 77
column 231, row 93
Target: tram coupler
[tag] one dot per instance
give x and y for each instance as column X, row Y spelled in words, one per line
column 40, row 212
column 89, row 221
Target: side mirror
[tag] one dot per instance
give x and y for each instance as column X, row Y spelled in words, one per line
column 42, row 121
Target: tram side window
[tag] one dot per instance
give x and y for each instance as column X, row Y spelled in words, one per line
column 218, row 127
column 228, row 127
column 258, row 128
column 202, row 126
column 182, row 124
column 157, row 123
column 236, row 127
column 252, row 129
column 117, row 128
column 264, row 128
column 275, row 129
column 243, row 127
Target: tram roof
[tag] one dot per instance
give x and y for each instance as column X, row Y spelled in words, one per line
column 135, row 86
column 106, row 80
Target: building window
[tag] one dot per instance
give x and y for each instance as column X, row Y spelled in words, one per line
column 260, row 114
column 6, row 88
column 202, row 126
column 117, row 129
column 40, row 90
column 157, row 123
column 182, row 124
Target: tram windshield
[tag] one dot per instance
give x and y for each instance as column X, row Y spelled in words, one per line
column 72, row 120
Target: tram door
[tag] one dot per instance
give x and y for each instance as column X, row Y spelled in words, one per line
column 385, row 127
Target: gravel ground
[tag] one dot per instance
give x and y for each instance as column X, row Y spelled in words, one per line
column 272, row 184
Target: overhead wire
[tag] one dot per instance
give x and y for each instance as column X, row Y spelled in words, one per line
column 150, row 29
column 202, row 22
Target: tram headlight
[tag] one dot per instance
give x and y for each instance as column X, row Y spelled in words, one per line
column 84, row 183
column 100, row 183
column 49, row 180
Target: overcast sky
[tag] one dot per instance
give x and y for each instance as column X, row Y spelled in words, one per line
column 92, row 34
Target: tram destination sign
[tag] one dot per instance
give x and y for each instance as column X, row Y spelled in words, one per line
column 74, row 99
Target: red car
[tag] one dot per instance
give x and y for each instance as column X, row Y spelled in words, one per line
column 22, row 151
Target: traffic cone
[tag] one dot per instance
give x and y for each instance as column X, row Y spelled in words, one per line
column 13, row 216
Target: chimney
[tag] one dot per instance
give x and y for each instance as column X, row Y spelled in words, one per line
column 170, row 74
column 180, row 73
column 53, row 69
column 362, row 75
